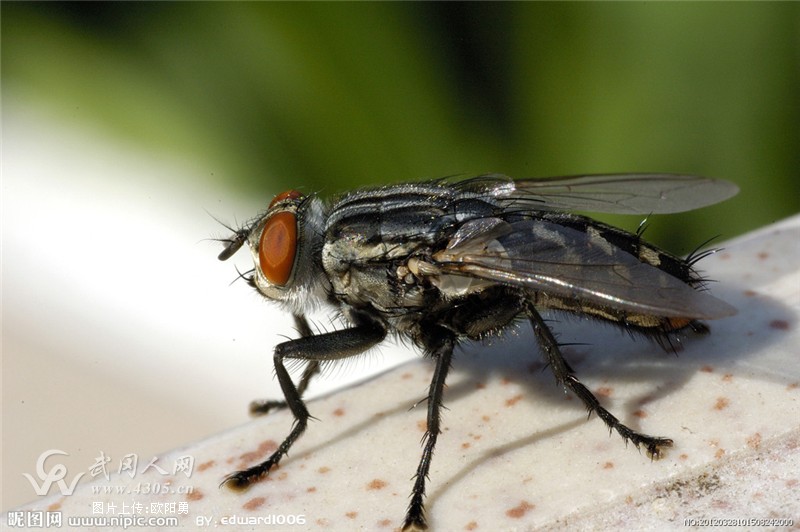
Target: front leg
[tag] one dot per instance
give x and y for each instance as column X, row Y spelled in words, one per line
column 313, row 349
column 262, row 407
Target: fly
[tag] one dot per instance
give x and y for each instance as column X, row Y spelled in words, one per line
column 441, row 262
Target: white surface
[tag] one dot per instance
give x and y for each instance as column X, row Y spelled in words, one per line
column 516, row 453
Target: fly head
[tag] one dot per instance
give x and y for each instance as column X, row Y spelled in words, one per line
column 284, row 243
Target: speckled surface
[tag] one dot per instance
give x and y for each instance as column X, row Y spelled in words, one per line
column 519, row 454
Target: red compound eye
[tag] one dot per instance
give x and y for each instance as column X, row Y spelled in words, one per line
column 287, row 194
column 278, row 246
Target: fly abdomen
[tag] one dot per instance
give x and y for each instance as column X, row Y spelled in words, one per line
column 645, row 323
column 572, row 260
column 631, row 243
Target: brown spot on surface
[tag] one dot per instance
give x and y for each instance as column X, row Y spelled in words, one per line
column 422, row 425
column 266, row 447
column 339, row 412
column 722, row 403
column 750, row 293
column 514, row 400
column 283, row 475
column 720, row 453
column 480, row 385
column 383, row 523
column 520, row 510
column 466, row 445
column 628, row 500
column 724, row 255
column 641, row 414
column 472, row 525
column 376, row 484
column 720, row 505
column 754, row 441
column 792, row 482
column 604, row 391
column 780, row 325
column 406, row 376
column 194, row 495
column 683, row 456
column 728, row 377
column 206, row 465
column 793, row 386
column 762, row 255
column 485, row 418
column 323, row 522
column 351, row 515
column 707, row 369
column 323, row 470
column 255, row 503
column 608, row 465
column 312, row 489
column 55, row 506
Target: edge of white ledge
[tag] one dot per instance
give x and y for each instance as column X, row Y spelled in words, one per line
column 516, row 452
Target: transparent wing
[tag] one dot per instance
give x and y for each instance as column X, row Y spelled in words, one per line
column 612, row 193
column 572, row 264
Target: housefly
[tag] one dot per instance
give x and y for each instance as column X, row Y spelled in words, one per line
column 444, row 261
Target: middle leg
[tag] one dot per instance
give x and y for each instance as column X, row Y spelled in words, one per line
column 441, row 353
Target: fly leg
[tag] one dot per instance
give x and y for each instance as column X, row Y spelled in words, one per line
column 261, row 407
column 313, row 349
column 566, row 377
column 441, row 353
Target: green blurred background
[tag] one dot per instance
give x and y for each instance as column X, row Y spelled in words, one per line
column 328, row 96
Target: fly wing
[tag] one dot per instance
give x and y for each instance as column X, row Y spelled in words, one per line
column 572, row 264
column 611, row 193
